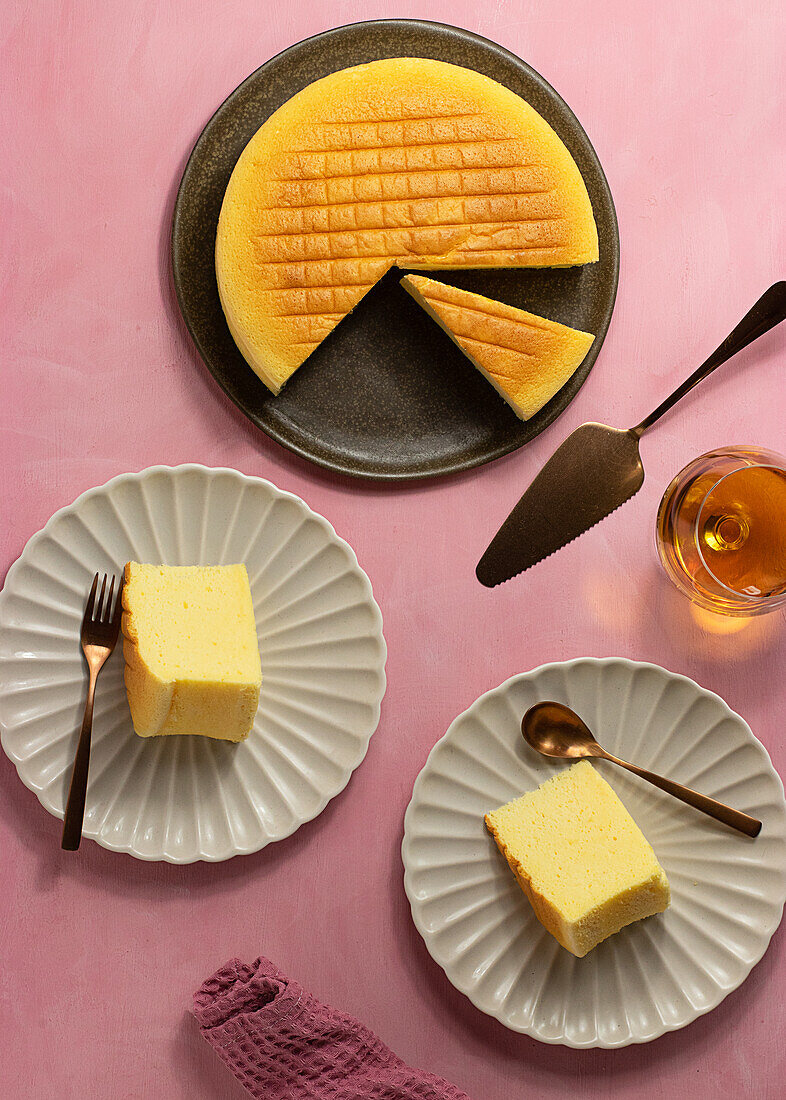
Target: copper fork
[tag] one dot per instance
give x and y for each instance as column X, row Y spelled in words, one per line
column 100, row 628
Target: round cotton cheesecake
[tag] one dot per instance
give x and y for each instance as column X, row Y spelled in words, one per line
column 404, row 161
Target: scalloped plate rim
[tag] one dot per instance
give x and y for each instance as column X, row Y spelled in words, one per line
column 444, row 963
column 150, row 471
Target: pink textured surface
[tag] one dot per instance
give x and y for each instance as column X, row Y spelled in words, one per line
column 685, row 105
column 282, row 1043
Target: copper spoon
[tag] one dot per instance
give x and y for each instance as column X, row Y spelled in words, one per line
column 555, row 730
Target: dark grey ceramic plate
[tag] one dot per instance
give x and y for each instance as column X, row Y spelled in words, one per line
column 387, row 395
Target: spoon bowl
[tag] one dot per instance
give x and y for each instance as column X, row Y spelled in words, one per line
column 555, row 730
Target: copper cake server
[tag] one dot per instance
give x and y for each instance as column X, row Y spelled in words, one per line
column 598, row 468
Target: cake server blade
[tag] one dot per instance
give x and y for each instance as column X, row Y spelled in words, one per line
column 598, row 468
column 595, row 470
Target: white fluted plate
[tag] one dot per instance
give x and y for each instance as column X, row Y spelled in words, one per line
column 182, row 799
column 658, row 974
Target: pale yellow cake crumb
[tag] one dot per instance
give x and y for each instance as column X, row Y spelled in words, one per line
column 191, row 650
column 580, row 858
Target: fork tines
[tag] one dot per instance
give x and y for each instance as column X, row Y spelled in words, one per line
column 99, row 612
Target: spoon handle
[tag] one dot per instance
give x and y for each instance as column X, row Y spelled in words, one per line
column 769, row 311
column 751, row 826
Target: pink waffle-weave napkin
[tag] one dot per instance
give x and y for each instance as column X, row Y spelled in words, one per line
column 283, row 1044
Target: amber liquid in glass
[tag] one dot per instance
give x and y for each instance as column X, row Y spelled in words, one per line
column 722, row 531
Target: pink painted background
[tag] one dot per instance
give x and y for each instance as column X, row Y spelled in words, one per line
column 684, row 102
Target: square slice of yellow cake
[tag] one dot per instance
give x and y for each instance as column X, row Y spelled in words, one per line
column 191, row 650
column 580, row 858
column 526, row 358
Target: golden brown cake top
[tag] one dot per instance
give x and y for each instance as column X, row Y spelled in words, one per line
column 527, row 358
column 407, row 161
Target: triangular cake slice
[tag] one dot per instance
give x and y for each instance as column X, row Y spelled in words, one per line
column 526, row 358
column 406, row 161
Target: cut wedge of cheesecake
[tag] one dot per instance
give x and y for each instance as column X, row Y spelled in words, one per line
column 191, row 650
column 404, row 161
column 527, row 359
column 580, row 858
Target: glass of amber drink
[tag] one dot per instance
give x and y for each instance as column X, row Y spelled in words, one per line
column 721, row 531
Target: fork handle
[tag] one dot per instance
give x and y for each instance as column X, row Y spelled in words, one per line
column 75, row 806
column 744, row 823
